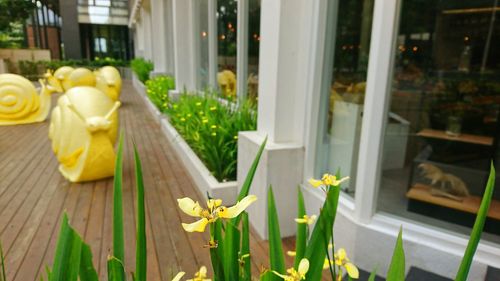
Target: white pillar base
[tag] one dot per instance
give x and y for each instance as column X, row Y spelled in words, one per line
column 281, row 166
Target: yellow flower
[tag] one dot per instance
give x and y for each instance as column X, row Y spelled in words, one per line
column 306, row 219
column 327, row 180
column 198, row 104
column 291, row 253
column 213, row 108
column 201, row 275
column 183, row 119
column 235, row 137
column 214, row 211
column 204, row 120
column 296, row 275
column 214, row 134
column 213, row 127
column 342, row 261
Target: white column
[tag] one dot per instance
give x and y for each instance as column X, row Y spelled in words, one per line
column 159, row 43
column 183, row 56
column 378, row 89
column 285, row 60
column 169, row 30
column 242, row 49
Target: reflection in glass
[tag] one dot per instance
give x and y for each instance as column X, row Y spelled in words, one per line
column 446, row 101
column 202, row 35
column 226, row 46
column 343, row 99
column 253, row 49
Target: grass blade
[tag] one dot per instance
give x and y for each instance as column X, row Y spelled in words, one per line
column 463, row 270
column 116, row 271
column 141, row 255
column 301, row 237
column 118, row 243
column 276, row 257
column 373, row 275
column 87, row 270
column 397, row 267
column 3, row 277
column 321, row 235
column 248, row 180
column 246, row 267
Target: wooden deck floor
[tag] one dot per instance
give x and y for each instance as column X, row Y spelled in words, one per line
column 33, row 197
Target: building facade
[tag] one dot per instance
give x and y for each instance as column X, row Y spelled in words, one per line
column 402, row 96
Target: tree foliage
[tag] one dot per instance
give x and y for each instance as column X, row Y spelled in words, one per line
column 14, row 11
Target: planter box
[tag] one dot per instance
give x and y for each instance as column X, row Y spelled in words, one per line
column 141, row 89
column 203, row 179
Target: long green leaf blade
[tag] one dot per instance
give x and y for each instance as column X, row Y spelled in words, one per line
column 3, row 277
column 373, row 275
column 87, row 270
column 276, row 257
column 463, row 270
column 116, row 271
column 68, row 253
column 301, row 237
column 321, row 235
column 231, row 250
column 141, row 255
column 216, row 254
column 397, row 267
column 118, row 240
column 251, row 173
column 246, row 268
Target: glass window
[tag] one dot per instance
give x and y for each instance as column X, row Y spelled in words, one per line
column 443, row 118
column 253, row 48
column 202, row 37
column 226, row 47
column 344, row 88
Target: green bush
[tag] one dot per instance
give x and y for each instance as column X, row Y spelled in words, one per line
column 157, row 90
column 142, row 68
column 211, row 130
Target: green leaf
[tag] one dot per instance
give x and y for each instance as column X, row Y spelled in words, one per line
column 141, row 247
column 68, row 254
column 321, row 235
column 116, row 271
column 231, row 250
column 373, row 275
column 246, row 268
column 397, row 268
column 217, row 254
column 118, row 243
column 276, row 257
column 301, row 237
column 87, row 270
column 463, row 270
column 248, row 180
column 3, row 277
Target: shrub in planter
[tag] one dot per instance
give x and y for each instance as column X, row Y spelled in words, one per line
column 157, row 90
column 211, row 129
column 142, row 68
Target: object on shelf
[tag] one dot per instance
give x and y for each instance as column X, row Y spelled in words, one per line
column 83, row 131
column 467, row 138
column 421, row 192
column 19, row 101
column 449, row 185
column 227, row 83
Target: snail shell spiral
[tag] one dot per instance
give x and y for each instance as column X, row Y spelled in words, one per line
column 19, row 100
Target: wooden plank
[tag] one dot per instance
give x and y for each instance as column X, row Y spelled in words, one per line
column 467, row 138
column 469, row 204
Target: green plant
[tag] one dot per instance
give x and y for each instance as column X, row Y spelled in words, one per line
column 211, row 129
column 141, row 68
column 157, row 90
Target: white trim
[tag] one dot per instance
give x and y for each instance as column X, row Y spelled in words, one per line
column 212, row 43
column 378, row 89
column 242, row 49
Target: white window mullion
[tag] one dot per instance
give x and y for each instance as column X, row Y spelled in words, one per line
column 242, row 49
column 378, row 91
column 212, row 43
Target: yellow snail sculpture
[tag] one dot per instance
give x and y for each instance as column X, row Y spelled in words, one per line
column 109, row 81
column 59, row 79
column 227, row 83
column 83, row 131
column 19, row 101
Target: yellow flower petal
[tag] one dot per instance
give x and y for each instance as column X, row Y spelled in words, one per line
column 291, row 253
column 285, row 277
column 213, row 203
column 197, row 226
column 190, row 207
column 352, row 270
column 235, row 210
column 327, row 263
column 301, row 220
column 315, row 183
column 303, row 266
column 341, row 254
column 179, row 276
